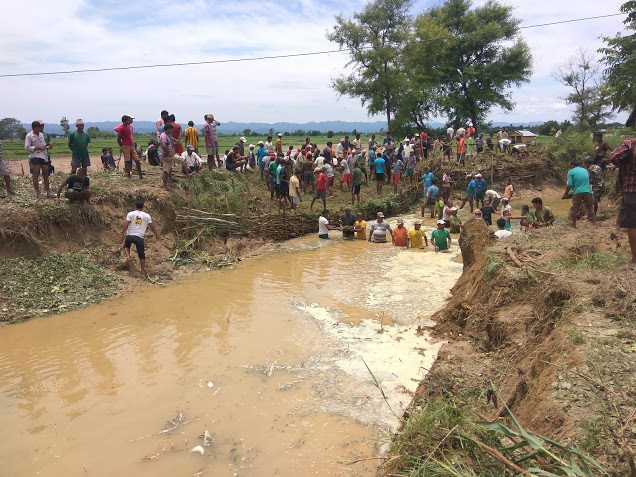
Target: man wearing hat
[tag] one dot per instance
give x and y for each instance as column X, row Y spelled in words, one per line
column 400, row 234
column 127, row 143
column 211, row 143
column 440, row 237
column 35, row 144
column 78, row 144
column 321, row 188
column 480, row 189
column 378, row 230
column 191, row 159
column 417, row 237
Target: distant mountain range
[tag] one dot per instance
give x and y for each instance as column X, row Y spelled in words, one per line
column 232, row 127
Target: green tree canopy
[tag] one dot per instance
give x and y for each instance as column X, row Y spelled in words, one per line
column 619, row 58
column 65, row 125
column 588, row 91
column 11, row 128
column 465, row 61
column 374, row 38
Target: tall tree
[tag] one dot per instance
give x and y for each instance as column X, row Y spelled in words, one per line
column 10, row 128
column 468, row 59
column 374, row 38
column 589, row 95
column 620, row 59
column 65, row 125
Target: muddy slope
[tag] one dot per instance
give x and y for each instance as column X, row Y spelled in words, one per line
column 543, row 324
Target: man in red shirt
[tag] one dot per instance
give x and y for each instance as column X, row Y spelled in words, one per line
column 624, row 157
column 127, row 143
column 176, row 135
column 462, row 147
column 321, row 188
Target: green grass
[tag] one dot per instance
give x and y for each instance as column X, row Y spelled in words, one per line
column 596, row 260
column 494, row 263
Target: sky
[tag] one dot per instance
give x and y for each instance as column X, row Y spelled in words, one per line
column 77, row 34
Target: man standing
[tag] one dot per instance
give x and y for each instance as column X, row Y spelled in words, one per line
column 579, row 190
column 78, row 144
column 134, row 231
column 360, row 227
column 35, row 144
column 192, row 136
column 167, row 154
column 161, row 122
column 379, row 228
column 127, row 143
column 347, row 222
column 624, row 157
column 417, row 237
column 400, row 234
column 601, row 150
column 379, row 166
column 78, row 187
column 278, row 147
column 357, row 183
column 470, row 194
column 596, row 181
column 321, row 188
column 440, row 237
column 294, row 189
column 211, row 143
column 323, row 225
column 6, row 175
column 480, row 189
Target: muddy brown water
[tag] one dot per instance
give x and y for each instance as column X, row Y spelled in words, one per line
column 269, row 358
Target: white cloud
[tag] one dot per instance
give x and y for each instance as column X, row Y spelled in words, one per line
column 75, row 34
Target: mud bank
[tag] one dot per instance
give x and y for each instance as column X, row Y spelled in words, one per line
column 543, row 326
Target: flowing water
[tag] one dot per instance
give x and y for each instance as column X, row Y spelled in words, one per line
column 270, row 359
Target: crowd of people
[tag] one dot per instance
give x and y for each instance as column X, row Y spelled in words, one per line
column 289, row 173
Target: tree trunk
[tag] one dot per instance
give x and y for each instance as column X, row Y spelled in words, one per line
column 388, row 119
column 631, row 121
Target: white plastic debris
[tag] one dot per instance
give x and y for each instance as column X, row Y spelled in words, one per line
column 198, row 449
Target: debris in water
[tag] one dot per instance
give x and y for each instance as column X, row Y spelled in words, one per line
column 177, row 421
column 210, row 384
column 198, row 449
column 208, row 439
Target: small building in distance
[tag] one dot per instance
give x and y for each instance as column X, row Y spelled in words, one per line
column 522, row 136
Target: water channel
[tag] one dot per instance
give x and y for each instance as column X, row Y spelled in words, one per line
column 268, row 358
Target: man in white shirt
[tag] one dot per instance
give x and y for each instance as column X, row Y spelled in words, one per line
column 192, row 159
column 323, row 225
column 408, row 148
column 502, row 234
column 494, row 196
column 35, row 144
column 134, row 231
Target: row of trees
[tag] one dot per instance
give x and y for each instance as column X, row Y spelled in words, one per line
column 460, row 62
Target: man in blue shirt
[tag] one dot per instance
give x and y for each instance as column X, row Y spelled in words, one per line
column 427, row 177
column 471, row 191
column 432, row 193
column 480, row 189
column 379, row 164
column 579, row 190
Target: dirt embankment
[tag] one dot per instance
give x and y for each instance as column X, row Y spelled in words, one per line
column 544, row 325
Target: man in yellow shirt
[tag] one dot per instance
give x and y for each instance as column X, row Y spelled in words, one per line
column 360, row 227
column 192, row 136
column 417, row 236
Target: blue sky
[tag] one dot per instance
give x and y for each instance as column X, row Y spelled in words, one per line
column 96, row 33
